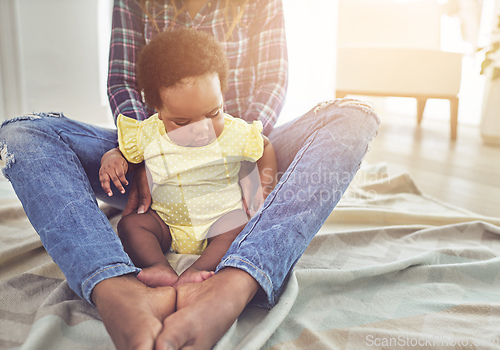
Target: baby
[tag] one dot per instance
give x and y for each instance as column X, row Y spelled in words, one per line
column 199, row 160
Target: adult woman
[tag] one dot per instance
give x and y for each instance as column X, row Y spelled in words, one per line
column 58, row 159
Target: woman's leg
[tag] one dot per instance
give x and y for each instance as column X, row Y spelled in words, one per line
column 318, row 156
column 53, row 163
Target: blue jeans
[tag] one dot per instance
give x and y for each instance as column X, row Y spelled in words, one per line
column 53, row 164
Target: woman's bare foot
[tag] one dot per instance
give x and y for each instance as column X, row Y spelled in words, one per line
column 206, row 310
column 132, row 312
column 192, row 275
column 159, row 275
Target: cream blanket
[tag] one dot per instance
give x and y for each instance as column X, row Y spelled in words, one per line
column 392, row 268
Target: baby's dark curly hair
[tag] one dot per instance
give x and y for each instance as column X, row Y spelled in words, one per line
column 174, row 55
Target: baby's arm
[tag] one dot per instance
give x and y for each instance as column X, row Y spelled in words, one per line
column 267, row 168
column 114, row 167
column 257, row 182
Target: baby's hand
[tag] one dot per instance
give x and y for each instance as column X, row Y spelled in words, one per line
column 113, row 168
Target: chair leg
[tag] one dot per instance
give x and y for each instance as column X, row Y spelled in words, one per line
column 453, row 117
column 421, row 101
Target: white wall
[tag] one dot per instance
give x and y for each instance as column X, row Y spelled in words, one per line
column 58, row 52
column 311, row 28
column 10, row 67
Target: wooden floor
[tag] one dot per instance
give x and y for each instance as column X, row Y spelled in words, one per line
column 465, row 173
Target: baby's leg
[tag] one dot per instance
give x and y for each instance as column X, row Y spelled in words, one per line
column 221, row 235
column 145, row 238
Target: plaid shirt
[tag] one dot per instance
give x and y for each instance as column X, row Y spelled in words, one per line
column 256, row 50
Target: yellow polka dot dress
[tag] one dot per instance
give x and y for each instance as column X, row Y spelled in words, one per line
column 192, row 187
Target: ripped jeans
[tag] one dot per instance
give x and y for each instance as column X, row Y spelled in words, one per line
column 53, row 164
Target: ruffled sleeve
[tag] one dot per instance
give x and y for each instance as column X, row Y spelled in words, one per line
column 254, row 147
column 129, row 138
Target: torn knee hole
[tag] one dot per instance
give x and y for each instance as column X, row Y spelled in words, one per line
column 346, row 102
column 6, row 159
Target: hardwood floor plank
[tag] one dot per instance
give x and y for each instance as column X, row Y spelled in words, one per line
column 465, row 173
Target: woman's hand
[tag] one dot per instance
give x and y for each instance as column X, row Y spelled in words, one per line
column 114, row 167
column 139, row 198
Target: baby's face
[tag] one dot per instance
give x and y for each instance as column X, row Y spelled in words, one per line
column 192, row 110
